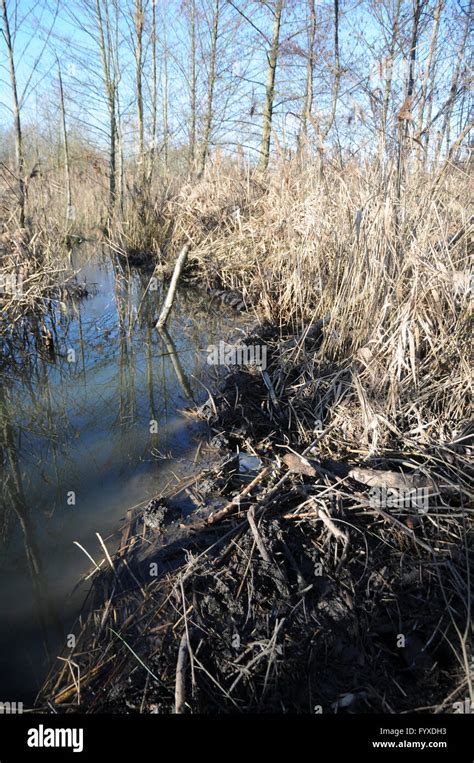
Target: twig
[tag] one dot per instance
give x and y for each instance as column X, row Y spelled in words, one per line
column 179, row 693
column 234, row 503
column 280, row 577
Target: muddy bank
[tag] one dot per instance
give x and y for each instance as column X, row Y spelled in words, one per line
column 89, row 419
column 311, row 577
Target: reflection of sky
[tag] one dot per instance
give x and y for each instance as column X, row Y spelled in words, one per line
column 85, row 427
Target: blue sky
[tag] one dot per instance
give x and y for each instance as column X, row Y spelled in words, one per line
column 43, row 30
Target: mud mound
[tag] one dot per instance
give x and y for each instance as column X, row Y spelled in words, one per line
column 307, row 579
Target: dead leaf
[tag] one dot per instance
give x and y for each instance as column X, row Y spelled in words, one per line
column 299, row 465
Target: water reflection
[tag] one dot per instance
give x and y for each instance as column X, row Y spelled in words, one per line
column 78, row 402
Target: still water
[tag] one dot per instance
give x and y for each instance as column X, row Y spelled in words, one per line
column 77, row 451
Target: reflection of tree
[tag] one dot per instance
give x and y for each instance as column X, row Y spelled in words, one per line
column 149, row 374
column 76, row 425
column 180, row 375
column 123, row 286
column 13, row 495
column 53, row 436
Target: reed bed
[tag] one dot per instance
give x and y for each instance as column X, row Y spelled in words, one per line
column 392, row 275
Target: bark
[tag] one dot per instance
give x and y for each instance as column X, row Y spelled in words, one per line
column 168, row 303
column 308, row 97
column 120, row 159
column 19, row 157
column 388, row 82
column 337, row 71
column 426, row 79
column 154, row 90
column 405, row 115
column 453, row 90
column 66, row 149
column 165, row 104
column 192, row 136
column 139, row 70
column 111, row 95
column 210, row 92
column 270, row 90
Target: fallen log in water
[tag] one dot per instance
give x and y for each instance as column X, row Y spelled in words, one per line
column 168, row 304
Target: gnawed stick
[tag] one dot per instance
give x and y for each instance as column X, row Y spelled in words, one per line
column 257, row 537
column 280, row 579
column 179, row 692
column 333, row 529
column 365, row 504
column 389, row 479
column 234, row 503
column 161, row 322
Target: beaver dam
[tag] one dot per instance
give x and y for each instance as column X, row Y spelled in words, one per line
column 289, row 568
column 236, row 425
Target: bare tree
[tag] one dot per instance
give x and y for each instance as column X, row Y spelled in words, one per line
column 270, row 89
column 108, row 50
column 337, row 72
column 20, row 162
column 154, row 94
column 308, row 96
column 192, row 130
column 426, row 80
column 388, row 80
column 405, row 115
column 210, row 92
column 165, row 99
column 66, row 148
column 139, row 22
column 454, row 87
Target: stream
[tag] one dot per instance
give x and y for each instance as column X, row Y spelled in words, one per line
column 80, row 446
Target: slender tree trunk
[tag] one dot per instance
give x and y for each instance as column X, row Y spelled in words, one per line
column 428, row 118
column 270, row 91
column 120, row 160
column 139, row 70
column 69, row 209
column 20, row 163
column 426, row 79
column 192, row 131
column 111, row 94
column 337, row 71
column 308, row 97
column 210, row 93
column 165, row 104
column 404, row 118
column 453, row 90
column 153, row 92
column 405, row 114
column 113, row 153
column 388, row 84
column 413, row 48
